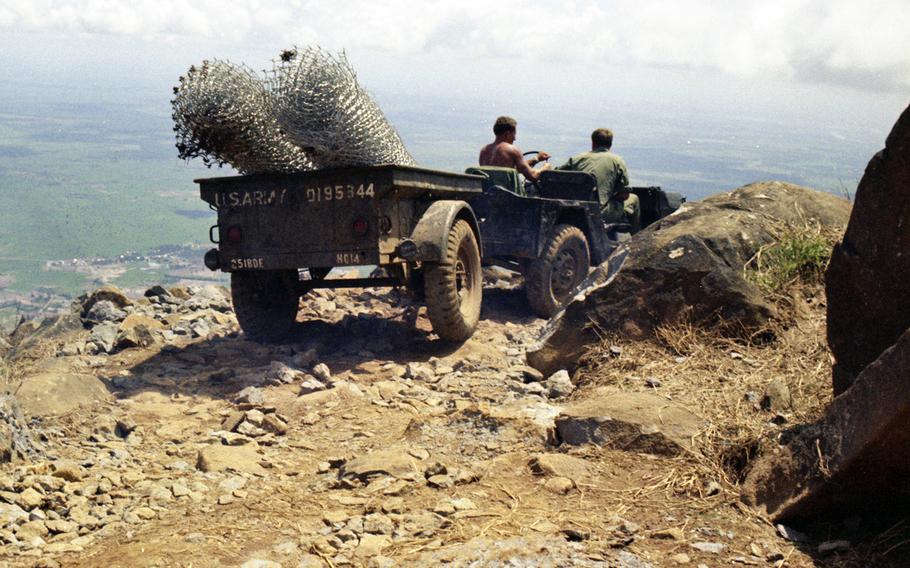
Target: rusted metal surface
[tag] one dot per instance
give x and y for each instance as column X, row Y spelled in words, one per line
column 342, row 217
column 370, row 215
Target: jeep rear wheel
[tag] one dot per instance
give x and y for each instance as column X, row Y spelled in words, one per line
column 550, row 279
column 454, row 286
column 265, row 303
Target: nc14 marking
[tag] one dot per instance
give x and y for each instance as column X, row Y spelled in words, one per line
column 347, row 258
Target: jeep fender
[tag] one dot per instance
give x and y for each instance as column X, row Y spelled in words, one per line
column 432, row 231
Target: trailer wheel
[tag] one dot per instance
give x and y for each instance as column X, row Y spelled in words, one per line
column 265, row 303
column 550, row 279
column 454, row 286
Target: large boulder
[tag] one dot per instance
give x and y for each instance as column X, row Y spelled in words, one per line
column 108, row 293
column 55, row 391
column 630, row 421
column 688, row 266
column 858, row 454
column 866, row 283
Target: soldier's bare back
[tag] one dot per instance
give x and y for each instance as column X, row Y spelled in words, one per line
column 500, row 154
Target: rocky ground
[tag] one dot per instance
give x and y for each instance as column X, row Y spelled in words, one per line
column 152, row 433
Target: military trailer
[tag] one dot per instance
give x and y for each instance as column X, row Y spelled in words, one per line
column 552, row 231
column 279, row 236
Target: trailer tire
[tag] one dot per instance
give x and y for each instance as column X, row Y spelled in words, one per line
column 454, row 286
column 550, row 279
column 265, row 303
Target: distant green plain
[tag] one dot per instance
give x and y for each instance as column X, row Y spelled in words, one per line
column 98, row 176
column 90, row 181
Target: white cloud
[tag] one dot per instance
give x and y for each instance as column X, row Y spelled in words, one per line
column 814, row 40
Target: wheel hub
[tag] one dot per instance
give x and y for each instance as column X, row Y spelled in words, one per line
column 462, row 285
column 564, row 273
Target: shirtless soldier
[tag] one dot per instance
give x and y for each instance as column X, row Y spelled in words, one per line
column 501, row 152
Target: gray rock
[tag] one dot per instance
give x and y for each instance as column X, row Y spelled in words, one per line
column 105, row 293
column 866, row 280
column 777, row 397
column 322, row 373
column 260, row 563
column 156, row 291
column 232, row 484
column 791, row 534
column 16, row 441
column 58, row 392
column 105, row 311
column 629, row 560
column 856, row 454
column 10, row 514
column 831, row 546
column 378, row 524
column 208, row 297
column 709, row 547
column 104, row 336
column 394, row 462
column 630, row 421
column 686, row 265
column 200, row 328
column 250, row 395
column 311, row 385
column 417, row 371
column 559, row 384
column 280, row 373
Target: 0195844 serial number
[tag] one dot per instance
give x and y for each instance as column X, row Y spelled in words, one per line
column 332, row 192
column 338, row 192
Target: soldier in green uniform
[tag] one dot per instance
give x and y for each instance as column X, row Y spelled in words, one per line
column 617, row 205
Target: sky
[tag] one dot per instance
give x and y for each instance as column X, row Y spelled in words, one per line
column 855, row 43
column 821, row 61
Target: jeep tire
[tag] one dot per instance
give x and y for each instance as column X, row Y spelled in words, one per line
column 454, row 286
column 550, row 279
column 265, row 303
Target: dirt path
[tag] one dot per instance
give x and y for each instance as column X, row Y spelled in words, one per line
column 364, row 442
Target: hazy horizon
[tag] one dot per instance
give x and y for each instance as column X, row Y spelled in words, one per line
column 701, row 100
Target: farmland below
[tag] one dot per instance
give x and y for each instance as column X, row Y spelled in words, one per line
column 91, row 189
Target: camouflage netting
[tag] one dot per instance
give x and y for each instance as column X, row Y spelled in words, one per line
column 310, row 113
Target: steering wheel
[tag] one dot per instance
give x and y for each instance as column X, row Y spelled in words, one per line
column 532, row 185
column 534, row 153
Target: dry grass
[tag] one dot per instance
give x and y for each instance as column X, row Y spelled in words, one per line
column 723, row 379
column 711, row 374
